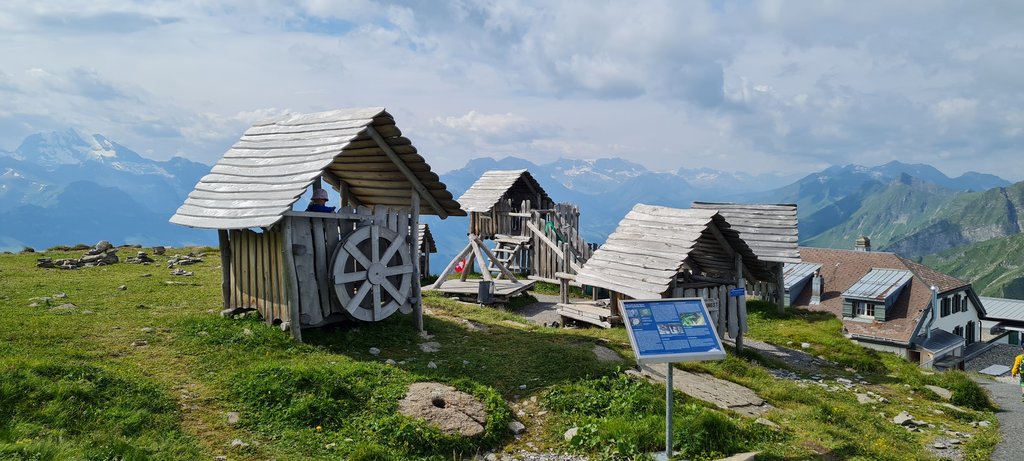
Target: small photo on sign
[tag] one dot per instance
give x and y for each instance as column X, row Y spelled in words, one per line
column 645, row 312
column 691, row 319
column 669, row 329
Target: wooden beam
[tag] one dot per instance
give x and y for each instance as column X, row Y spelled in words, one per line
column 417, row 293
column 225, row 267
column 451, row 265
column 409, row 175
column 497, row 262
column 729, row 250
column 484, row 270
column 291, row 283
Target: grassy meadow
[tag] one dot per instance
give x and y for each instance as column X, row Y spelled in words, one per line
column 143, row 367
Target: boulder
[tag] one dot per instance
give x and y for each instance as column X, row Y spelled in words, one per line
column 444, row 407
column 903, row 419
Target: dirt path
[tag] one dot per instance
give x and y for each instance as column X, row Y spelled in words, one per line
column 1006, row 393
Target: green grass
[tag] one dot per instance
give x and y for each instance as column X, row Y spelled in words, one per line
column 73, row 386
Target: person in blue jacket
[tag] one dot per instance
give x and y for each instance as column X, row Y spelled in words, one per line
column 317, row 203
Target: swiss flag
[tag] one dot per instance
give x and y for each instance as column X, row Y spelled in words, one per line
column 460, row 266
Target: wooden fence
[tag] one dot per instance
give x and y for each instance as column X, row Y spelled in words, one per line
column 260, row 275
column 728, row 313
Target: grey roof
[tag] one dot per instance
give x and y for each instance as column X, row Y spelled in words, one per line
column 879, row 284
column 494, row 184
column 796, row 273
column 427, row 244
column 1003, row 309
column 941, row 340
column 266, row 171
column 650, row 245
column 769, row 230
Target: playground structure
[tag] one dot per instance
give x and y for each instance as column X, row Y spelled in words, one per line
column 307, row 269
column 532, row 236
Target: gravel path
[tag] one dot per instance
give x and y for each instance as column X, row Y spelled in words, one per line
column 1006, row 393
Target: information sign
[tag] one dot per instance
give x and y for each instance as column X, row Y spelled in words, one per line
column 671, row 330
column 738, row 292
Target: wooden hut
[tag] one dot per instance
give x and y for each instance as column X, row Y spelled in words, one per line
column 427, row 246
column 304, row 269
column 532, row 235
column 771, row 232
column 661, row 252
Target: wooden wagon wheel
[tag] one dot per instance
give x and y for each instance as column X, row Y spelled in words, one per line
column 372, row 273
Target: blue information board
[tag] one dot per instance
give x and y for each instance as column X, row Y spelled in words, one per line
column 671, row 330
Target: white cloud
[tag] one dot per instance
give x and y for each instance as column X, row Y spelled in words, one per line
column 779, row 85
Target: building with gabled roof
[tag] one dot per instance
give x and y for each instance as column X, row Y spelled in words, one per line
column 661, row 252
column 885, row 303
column 306, row 269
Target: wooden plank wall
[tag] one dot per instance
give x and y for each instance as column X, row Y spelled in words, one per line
column 257, row 276
column 727, row 318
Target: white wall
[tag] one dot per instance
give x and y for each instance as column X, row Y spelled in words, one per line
column 960, row 319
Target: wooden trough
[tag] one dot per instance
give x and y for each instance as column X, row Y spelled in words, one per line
column 306, row 269
column 660, row 252
column 531, row 235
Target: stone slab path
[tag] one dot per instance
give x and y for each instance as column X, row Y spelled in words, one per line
column 723, row 394
column 1006, row 393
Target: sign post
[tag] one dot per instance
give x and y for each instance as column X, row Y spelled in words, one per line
column 668, row 331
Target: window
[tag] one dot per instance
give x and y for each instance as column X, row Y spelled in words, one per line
column 959, row 331
column 963, row 305
column 864, row 309
column 957, row 304
column 945, row 306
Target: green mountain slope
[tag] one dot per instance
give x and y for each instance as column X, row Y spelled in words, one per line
column 885, row 214
column 995, row 267
column 969, row 218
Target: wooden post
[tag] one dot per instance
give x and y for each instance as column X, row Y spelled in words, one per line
column 291, row 283
column 451, row 265
column 225, row 267
column 414, row 227
column 741, row 307
column 780, row 287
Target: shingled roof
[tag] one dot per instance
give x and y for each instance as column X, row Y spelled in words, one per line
column 842, row 269
column 494, row 184
column 265, row 172
column 652, row 243
column 769, row 230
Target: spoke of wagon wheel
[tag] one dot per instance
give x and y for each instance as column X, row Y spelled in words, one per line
column 375, row 243
column 361, row 293
column 356, row 254
column 347, row 277
column 392, row 249
column 390, row 287
column 376, row 303
column 396, row 270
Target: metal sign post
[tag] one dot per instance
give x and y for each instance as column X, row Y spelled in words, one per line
column 668, row 331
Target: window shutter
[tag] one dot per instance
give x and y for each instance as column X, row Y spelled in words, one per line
column 847, row 308
column 880, row 312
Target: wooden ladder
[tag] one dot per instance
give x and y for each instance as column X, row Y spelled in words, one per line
column 506, row 249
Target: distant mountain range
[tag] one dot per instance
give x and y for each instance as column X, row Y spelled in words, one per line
column 64, row 188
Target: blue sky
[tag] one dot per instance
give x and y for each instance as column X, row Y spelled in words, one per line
column 754, row 86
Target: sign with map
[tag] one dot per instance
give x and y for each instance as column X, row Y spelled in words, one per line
column 671, row 330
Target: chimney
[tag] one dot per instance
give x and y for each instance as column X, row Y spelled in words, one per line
column 816, row 289
column 935, row 312
column 863, row 244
